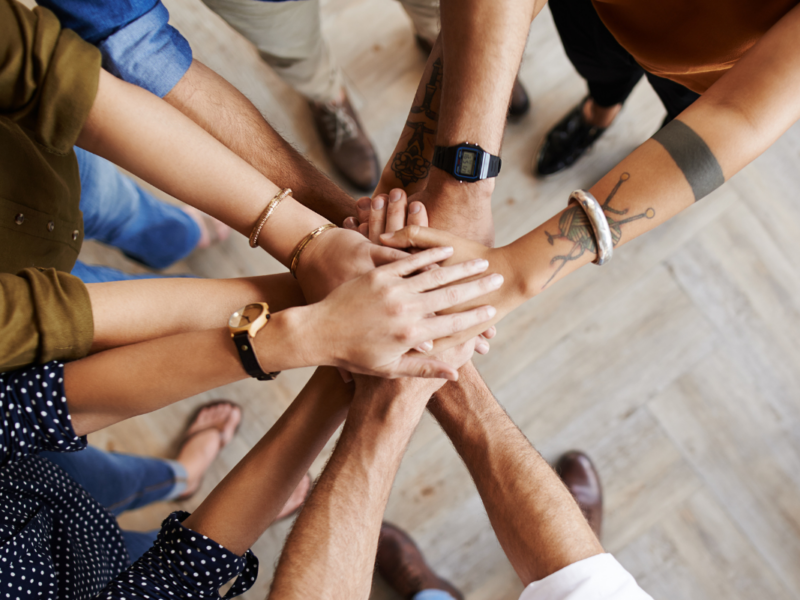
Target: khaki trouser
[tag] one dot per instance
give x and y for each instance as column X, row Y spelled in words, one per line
column 288, row 36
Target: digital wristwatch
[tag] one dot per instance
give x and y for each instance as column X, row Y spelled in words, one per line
column 466, row 162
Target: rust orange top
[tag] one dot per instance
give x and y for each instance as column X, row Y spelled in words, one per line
column 692, row 42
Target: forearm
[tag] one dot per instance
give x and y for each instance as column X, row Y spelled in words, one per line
column 247, row 501
column 537, row 522
column 120, row 383
column 330, row 553
column 225, row 113
column 127, row 312
column 153, row 140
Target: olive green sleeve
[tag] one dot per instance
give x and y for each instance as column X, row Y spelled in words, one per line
column 48, row 75
column 44, row 315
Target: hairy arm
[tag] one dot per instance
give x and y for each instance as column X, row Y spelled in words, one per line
column 462, row 97
column 219, row 108
column 330, row 553
column 537, row 521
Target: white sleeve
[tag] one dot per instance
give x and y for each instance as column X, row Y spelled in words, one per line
column 600, row 577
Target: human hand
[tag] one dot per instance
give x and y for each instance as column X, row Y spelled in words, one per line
column 338, row 256
column 387, row 213
column 392, row 312
column 500, row 261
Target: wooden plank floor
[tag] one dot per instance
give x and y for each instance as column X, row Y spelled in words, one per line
column 677, row 366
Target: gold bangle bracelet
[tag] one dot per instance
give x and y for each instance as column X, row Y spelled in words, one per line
column 262, row 220
column 302, row 245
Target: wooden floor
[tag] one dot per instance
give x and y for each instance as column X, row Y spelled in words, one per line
column 677, row 366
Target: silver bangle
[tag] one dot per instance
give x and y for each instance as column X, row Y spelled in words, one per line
column 599, row 222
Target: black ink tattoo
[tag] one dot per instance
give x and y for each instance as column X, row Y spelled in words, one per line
column 574, row 226
column 693, row 157
column 434, row 84
column 410, row 165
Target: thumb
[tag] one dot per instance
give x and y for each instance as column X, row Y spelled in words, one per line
column 411, row 365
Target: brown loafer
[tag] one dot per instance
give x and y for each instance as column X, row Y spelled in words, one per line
column 582, row 480
column 346, row 143
column 403, row 567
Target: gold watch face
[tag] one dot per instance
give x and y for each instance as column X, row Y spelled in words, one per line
column 245, row 316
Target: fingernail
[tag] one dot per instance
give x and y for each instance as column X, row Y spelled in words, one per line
column 482, row 348
column 497, row 279
column 446, row 375
column 363, row 203
column 377, row 203
column 414, row 208
column 480, row 263
column 387, row 236
column 395, row 195
column 426, row 346
column 447, row 249
column 491, row 311
column 350, row 223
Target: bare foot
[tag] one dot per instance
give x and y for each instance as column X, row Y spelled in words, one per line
column 216, row 425
column 211, row 230
column 600, row 116
column 297, row 498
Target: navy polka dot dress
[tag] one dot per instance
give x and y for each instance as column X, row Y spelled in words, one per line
column 58, row 542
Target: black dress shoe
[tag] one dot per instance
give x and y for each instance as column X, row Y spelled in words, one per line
column 567, row 142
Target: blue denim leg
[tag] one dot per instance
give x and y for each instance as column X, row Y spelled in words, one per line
column 432, row 595
column 100, row 274
column 118, row 212
column 122, row 482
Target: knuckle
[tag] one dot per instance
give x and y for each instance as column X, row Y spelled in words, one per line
column 457, row 323
column 407, row 334
column 452, row 295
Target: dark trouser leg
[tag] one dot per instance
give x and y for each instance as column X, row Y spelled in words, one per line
column 675, row 97
column 607, row 67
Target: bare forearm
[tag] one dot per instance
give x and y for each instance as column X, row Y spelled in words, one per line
column 127, row 312
column 247, row 501
column 330, row 553
column 225, row 113
column 537, row 522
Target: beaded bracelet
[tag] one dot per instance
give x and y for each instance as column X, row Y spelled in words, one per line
column 262, row 220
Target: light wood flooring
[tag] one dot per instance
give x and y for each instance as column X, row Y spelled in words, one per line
column 676, row 367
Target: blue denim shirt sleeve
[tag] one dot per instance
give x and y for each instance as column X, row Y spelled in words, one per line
column 134, row 36
column 148, row 52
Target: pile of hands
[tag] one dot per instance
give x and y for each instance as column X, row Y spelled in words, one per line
column 399, row 299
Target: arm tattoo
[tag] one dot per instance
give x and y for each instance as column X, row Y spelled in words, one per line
column 693, row 157
column 410, row 165
column 574, row 226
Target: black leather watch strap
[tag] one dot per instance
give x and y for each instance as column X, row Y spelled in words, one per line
column 249, row 358
column 447, row 159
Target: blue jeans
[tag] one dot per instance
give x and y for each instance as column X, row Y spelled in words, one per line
column 118, row 212
column 123, row 482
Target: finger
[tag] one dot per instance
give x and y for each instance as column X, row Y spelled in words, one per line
column 381, row 255
column 396, row 211
column 454, row 295
column 415, row 262
column 414, row 365
column 424, row 347
column 436, row 278
column 377, row 217
column 490, row 333
column 363, row 229
column 345, row 375
column 417, row 215
column 414, row 236
column 362, row 209
column 446, row 325
column 350, row 223
column 481, row 346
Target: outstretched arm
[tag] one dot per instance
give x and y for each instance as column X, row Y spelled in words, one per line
column 729, row 126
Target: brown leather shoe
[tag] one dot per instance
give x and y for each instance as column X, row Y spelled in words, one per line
column 346, row 144
column 581, row 478
column 520, row 103
column 403, row 567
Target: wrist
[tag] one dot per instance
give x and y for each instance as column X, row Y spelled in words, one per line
column 292, row 340
column 442, row 185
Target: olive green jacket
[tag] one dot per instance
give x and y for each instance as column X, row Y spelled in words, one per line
column 48, row 82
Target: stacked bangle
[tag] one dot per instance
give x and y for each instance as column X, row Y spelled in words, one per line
column 298, row 250
column 598, row 221
column 262, row 220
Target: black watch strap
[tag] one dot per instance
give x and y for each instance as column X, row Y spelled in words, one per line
column 446, row 158
column 249, row 358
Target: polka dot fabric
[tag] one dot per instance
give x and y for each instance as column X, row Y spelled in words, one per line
column 58, row 542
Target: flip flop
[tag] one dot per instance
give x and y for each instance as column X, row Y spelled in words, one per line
column 222, row 443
